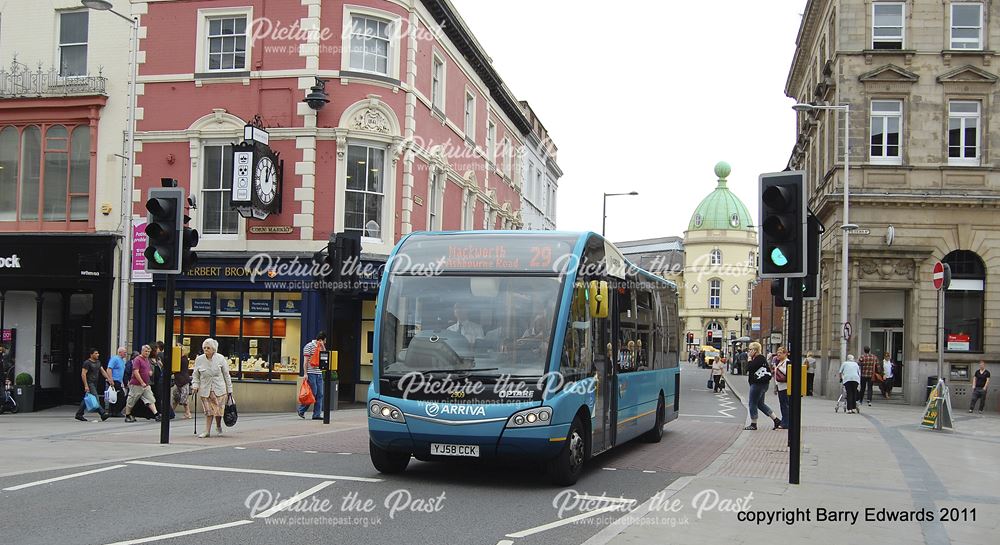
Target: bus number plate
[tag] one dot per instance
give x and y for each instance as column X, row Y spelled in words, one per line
column 440, row 449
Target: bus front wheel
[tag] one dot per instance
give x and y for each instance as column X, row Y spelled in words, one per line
column 565, row 468
column 387, row 462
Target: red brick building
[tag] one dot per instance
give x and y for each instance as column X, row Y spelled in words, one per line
column 770, row 317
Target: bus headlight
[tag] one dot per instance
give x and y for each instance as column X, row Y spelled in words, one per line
column 539, row 416
column 385, row 411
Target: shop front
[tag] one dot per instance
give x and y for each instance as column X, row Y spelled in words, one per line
column 261, row 320
column 55, row 305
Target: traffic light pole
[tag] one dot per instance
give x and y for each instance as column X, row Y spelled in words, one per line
column 327, row 387
column 795, row 393
column 167, row 358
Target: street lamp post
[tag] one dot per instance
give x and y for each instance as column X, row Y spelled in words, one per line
column 128, row 185
column 604, row 214
column 846, row 226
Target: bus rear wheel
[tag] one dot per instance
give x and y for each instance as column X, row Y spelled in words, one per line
column 565, row 469
column 654, row 435
column 387, row 462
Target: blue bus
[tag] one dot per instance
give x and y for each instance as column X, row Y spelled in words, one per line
column 539, row 345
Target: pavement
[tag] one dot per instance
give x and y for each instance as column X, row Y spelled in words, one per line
column 875, row 476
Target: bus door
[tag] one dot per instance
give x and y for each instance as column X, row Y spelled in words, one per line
column 605, row 406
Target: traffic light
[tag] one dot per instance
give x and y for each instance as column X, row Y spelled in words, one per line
column 189, row 240
column 778, row 292
column 708, row 337
column 690, row 337
column 164, row 230
column 348, row 258
column 783, row 225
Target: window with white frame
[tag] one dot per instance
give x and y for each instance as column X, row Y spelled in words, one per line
column 715, row 257
column 470, row 116
column 73, row 43
column 370, row 44
column 887, row 25
column 365, row 190
column 966, row 25
column 437, row 83
column 218, row 217
column 507, row 152
column 541, row 191
column 227, row 43
column 963, row 132
column 886, row 130
column 491, row 142
column 435, row 181
column 715, row 293
column 470, row 210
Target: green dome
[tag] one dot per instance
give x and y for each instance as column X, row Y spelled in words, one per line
column 721, row 209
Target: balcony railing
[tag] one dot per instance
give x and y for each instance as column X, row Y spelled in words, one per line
column 20, row 81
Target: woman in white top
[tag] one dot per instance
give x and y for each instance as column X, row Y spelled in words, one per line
column 718, row 368
column 850, row 376
column 781, row 385
column 887, row 376
column 212, row 384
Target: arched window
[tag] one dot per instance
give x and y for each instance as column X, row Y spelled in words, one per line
column 8, row 173
column 716, row 257
column 31, row 171
column 963, row 302
column 714, row 293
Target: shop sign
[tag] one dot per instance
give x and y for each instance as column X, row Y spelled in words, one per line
column 10, row 262
column 755, row 323
column 290, row 306
column 139, row 273
column 6, row 335
column 201, row 305
column 260, row 305
column 271, row 229
column 958, row 342
column 230, row 305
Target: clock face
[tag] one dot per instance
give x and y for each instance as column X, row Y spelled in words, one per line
column 265, row 180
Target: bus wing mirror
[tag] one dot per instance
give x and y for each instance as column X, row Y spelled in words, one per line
column 598, row 299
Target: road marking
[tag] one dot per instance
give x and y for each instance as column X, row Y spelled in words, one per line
column 705, row 415
column 604, row 499
column 260, row 472
column 564, row 522
column 63, row 478
column 648, row 471
column 610, row 468
column 239, row 448
column 293, row 500
column 344, row 453
column 310, row 451
column 274, row 450
column 184, row 533
column 505, row 542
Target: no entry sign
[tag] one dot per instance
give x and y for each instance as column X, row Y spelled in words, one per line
column 941, row 276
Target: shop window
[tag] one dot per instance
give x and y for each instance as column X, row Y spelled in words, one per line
column 964, row 302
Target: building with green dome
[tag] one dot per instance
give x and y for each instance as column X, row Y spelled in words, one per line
column 720, row 252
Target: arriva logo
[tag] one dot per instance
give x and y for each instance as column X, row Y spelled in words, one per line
column 434, row 409
column 12, row 262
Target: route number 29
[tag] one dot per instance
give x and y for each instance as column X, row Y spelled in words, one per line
column 541, row 256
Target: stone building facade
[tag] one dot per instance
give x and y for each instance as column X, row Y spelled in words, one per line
column 920, row 78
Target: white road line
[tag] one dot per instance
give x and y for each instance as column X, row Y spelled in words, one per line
column 610, row 468
column 344, row 453
column 274, row 450
column 648, row 471
column 705, row 415
column 63, row 478
column 293, row 500
column 604, row 499
column 310, row 451
column 505, row 542
column 564, row 522
column 184, row 533
column 239, row 448
column 260, row 472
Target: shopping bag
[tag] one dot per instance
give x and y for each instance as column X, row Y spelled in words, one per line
column 111, row 395
column 306, row 396
column 230, row 415
column 91, row 401
column 711, row 383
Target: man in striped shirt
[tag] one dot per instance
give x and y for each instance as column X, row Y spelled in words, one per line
column 314, row 375
column 867, row 363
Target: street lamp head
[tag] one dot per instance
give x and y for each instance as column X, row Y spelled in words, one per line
column 633, row 193
column 803, row 107
column 100, row 5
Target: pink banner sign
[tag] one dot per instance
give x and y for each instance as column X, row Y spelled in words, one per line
column 139, row 273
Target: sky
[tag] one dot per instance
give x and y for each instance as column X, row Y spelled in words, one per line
column 647, row 96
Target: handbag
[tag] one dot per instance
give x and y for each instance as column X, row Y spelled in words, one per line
column 711, row 383
column 111, row 395
column 722, row 382
column 90, row 400
column 306, row 396
column 230, row 415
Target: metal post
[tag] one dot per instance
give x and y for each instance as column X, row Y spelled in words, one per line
column 128, row 184
column 168, row 360
column 940, row 359
column 604, row 214
column 795, row 387
column 327, row 386
column 845, row 269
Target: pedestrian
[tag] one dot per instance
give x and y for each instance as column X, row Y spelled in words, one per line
column 211, row 382
column 810, row 362
column 182, row 388
column 717, row 371
column 139, row 385
column 850, row 376
column 758, row 376
column 314, row 374
column 116, row 366
column 888, row 375
column 781, row 384
column 91, row 372
column 980, row 383
column 867, row 363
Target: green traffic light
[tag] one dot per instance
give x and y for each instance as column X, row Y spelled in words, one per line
column 778, row 257
column 158, row 258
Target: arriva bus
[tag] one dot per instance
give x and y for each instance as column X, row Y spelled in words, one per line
column 538, row 345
